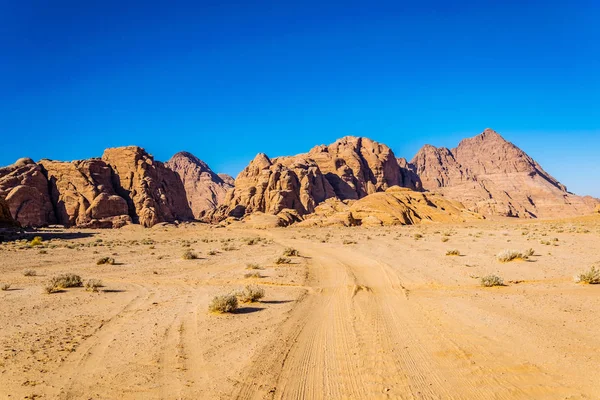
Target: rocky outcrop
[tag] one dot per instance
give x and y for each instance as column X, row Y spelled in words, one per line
column 6, row 219
column 154, row 193
column 395, row 206
column 272, row 186
column 25, row 189
column 410, row 178
column 492, row 176
column 83, row 195
column 356, row 166
column 205, row 190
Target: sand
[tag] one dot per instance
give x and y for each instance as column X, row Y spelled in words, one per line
column 361, row 313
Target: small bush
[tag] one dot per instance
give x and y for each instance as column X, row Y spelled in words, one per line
column 253, row 275
column 510, row 255
column 213, row 252
column 591, row 277
column 418, row 236
column 252, row 266
column 93, row 285
column 492, row 280
column 445, row 239
column 189, row 255
column 228, row 247
column 529, row 252
column 346, row 241
column 4, row 286
column 51, row 288
column 223, row 304
column 66, row 281
column 453, row 253
column 106, row 260
column 290, row 252
column 283, row 260
column 37, row 241
column 29, row 272
column 251, row 294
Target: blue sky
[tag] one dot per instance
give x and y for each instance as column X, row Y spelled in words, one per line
column 226, row 80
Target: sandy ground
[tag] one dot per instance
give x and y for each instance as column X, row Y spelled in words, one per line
column 362, row 313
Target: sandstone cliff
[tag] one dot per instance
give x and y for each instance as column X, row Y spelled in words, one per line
column 205, row 190
column 25, row 189
column 6, row 219
column 492, row 176
column 154, row 193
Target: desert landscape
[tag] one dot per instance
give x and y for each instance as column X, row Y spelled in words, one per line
column 341, row 273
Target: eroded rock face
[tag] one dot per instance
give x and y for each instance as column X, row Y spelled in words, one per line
column 205, row 190
column 271, row 186
column 228, row 179
column 491, row 176
column 82, row 193
column 356, row 167
column 154, row 193
column 6, row 219
column 25, row 189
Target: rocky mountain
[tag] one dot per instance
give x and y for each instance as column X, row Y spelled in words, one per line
column 492, row 176
column 205, row 190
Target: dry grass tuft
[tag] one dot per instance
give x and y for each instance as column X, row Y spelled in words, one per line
column 223, row 304
column 591, row 277
column 491, row 280
column 251, row 294
column 93, row 285
column 37, row 241
column 29, row 272
column 283, row 260
column 453, row 253
column 106, row 260
column 4, row 286
column 291, row 252
column 189, row 255
column 66, row 281
column 510, row 255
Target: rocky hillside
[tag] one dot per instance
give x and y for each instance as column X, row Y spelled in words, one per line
column 125, row 186
column 6, row 219
column 205, row 190
column 492, row 176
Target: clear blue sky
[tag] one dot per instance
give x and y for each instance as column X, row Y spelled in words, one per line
column 226, row 80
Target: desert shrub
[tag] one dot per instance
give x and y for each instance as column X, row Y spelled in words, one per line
column 43, row 252
column 529, row 252
column 510, row 255
column 290, row 252
column 228, row 247
column 251, row 241
column 93, row 285
column 223, row 304
column 105, row 260
column 417, row 236
column 213, row 252
column 37, row 241
column 445, row 239
column 253, row 275
column 453, row 253
column 51, row 288
column 346, row 241
column 189, row 255
column 251, row 293
column 4, row 286
column 29, row 272
column 591, row 277
column 283, row 260
column 491, row 280
column 252, row 266
column 66, row 281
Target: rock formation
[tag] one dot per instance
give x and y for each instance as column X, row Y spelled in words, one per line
column 356, row 167
column 205, row 190
column 25, row 189
column 83, row 195
column 6, row 219
column 494, row 177
column 395, row 206
column 228, row 179
column 272, row 186
column 154, row 193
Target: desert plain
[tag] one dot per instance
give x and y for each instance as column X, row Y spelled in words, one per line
column 358, row 313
